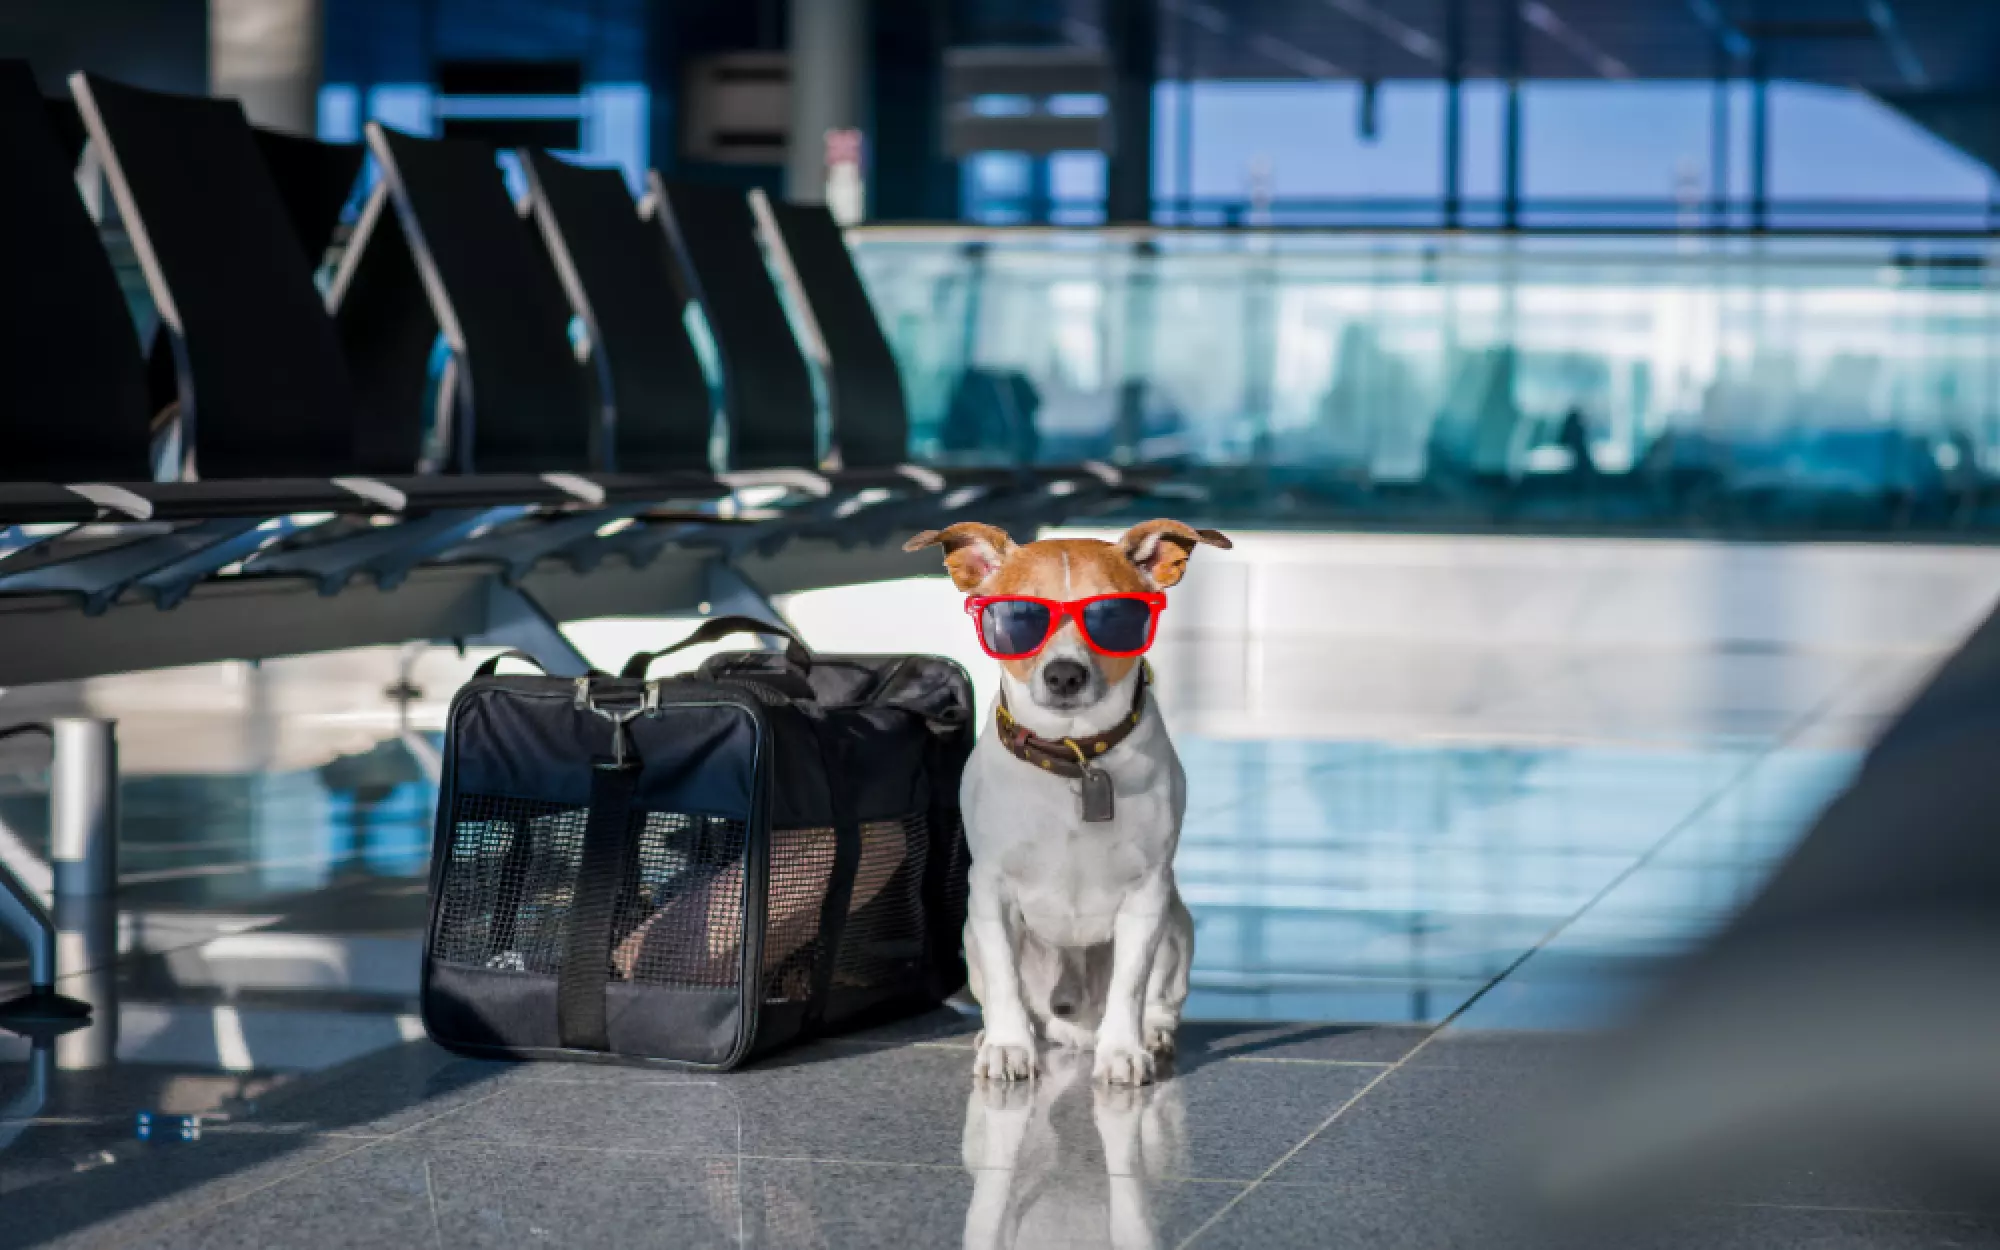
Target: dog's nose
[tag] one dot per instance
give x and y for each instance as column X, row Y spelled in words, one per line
column 1065, row 678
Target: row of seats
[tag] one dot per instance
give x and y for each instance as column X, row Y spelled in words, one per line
column 277, row 398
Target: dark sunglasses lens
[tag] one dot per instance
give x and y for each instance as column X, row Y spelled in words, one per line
column 1013, row 626
column 1119, row 624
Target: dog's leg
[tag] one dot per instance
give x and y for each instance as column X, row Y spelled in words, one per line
column 1122, row 1058
column 1007, row 1043
column 1167, row 983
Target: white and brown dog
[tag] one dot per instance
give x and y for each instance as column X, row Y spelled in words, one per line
column 1073, row 801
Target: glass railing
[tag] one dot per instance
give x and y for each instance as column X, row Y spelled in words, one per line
column 1674, row 383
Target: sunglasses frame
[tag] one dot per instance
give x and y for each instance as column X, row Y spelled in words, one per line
column 1060, row 611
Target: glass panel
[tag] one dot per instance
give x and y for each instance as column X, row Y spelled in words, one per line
column 1666, row 383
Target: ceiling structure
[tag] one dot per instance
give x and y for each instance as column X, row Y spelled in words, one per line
column 1878, row 45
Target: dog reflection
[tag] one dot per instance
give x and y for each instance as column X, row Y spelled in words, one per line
column 1028, row 1148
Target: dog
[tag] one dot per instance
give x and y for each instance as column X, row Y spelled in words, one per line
column 1076, row 933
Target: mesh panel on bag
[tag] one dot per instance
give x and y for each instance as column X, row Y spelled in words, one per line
column 505, row 894
column 679, row 915
column 884, row 936
column 801, row 870
column 507, row 890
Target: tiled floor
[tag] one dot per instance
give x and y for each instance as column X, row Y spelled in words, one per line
column 1263, row 1136
column 1396, row 935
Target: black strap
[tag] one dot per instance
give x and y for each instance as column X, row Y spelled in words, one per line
column 846, row 859
column 721, row 627
column 491, row 664
column 586, row 966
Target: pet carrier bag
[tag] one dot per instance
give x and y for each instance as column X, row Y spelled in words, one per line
column 698, row 869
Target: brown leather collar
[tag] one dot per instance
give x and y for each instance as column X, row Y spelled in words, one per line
column 1065, row 757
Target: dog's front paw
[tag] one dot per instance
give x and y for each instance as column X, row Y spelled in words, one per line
column 1123, row 1065
column 1003, row 1061
column 1159, row 1037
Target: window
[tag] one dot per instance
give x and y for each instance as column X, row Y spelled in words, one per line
column 1616, row 153
column 1834, row 144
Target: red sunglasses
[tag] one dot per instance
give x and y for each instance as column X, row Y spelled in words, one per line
column 1014, row 627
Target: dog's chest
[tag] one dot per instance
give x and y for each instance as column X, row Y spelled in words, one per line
column 1069, row 876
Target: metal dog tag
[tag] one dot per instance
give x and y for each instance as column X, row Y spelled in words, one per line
column 1099, row 800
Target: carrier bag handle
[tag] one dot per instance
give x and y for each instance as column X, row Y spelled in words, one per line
column 796, row 652
column 491, row 664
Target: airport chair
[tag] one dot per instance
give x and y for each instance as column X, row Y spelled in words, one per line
column 624, row 288
column 289, row 470
column 864, row 388
column 514, row 394
column 73, row 407
column 656, row 405
column 632, row 294
column 189, row 267
column 263, row 391
column 72, row 389
column 518, row 399
column 272, row 425
column 767, row 391
column 192, row 178
column 315, row 180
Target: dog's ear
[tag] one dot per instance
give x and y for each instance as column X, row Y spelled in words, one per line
column 973, row 552
column 1160, row 549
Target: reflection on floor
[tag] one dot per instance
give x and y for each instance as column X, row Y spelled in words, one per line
column 257, row 987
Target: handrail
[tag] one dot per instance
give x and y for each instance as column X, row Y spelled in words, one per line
column 1780, row 217
column 961, row 231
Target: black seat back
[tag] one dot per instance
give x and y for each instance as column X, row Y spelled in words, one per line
column 315, row 180
column 67, row 123
column 767, row 391
column 524, row 403
column 382, row 315
column 871, row 418
column 616, row 272
column 72, row 390
column 263, row 389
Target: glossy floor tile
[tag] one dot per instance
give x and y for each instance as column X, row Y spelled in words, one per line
column 1252, row 1139
column 1510, row 846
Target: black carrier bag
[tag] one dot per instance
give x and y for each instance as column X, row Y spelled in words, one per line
column 697, row 869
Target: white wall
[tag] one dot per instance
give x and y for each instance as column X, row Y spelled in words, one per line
column 1351, row 635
